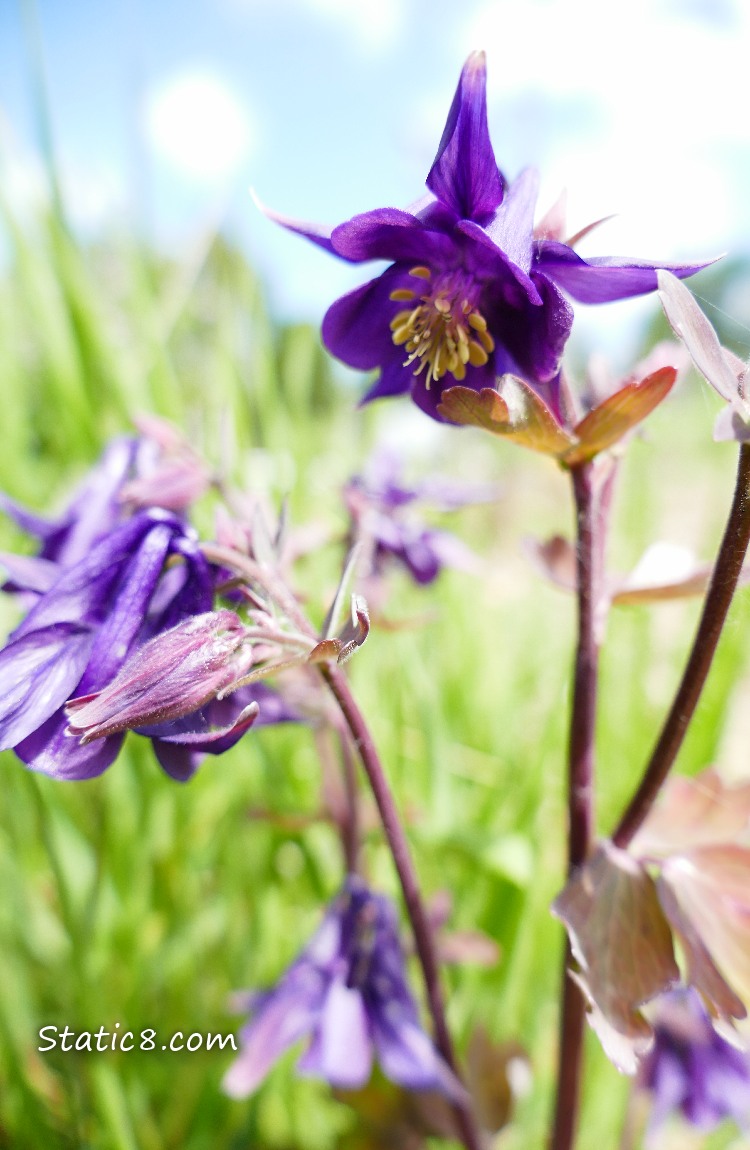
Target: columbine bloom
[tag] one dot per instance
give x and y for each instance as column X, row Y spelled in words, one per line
column 381, row 508
column 692, row 1070
column 105, row 583
column 347, row 992
column 471, row 292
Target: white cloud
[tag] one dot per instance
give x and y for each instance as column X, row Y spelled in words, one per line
column 198, row 126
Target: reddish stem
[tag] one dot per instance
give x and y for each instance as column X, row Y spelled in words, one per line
column 590, row 532
column 715, row 608
column 399, row 848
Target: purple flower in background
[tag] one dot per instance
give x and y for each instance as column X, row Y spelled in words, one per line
column 92, row 513
column 347, row 993
column 383, row 517
column 691, row 1069
column 471, row 293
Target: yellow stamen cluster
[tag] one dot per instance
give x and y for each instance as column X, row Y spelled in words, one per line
column 442, row 331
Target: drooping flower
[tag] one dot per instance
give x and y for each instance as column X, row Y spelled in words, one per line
column 693, row 1070
column 347, row 993
column 471, row 293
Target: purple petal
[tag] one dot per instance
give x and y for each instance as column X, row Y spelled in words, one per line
column 216, row 728
column 38, row 672
column 317, row 233
column 285, row 1016
column 52, row 752
column 356, row 328
column 391, row 234
column 119, row 630
column 96, row 507
column 28, row 573
column 604, row 278
column 465, row 176
column 535, row 337
column 202, row 734
column 407, row 1057
column 341, row 1051
column 82, row 592
column 511, row 284
column 27, row 520
column 394, row 379
column 180, row 763
column 512, row 227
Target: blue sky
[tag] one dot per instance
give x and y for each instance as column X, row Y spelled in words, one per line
column 164, row 114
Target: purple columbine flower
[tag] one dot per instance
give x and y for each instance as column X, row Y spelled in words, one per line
column 693, row 1070
column 93, row 606
column 380, row 505
column 470, row 293
column 347, row 993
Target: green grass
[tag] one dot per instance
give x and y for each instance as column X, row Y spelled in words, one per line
column 133, row 899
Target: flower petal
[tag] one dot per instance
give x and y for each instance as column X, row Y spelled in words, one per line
column 318, row 233
column 694, row 329
column 341, row 1051
column 391, row 234
column 52, row 752
column 285, row 1016
column 604, row 278
column 512, row 227
column 464, row 175
column 37, row 674
column 356, row 328
column 407, row 1057
column 535, row 338
column 28, row 573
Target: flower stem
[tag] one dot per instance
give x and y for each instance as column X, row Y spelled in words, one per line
column 715, row 608
column 276, row 590
column 590, row 540
column 394, row 833
column 350, row 830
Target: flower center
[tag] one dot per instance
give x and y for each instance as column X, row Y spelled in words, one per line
column 443, row 331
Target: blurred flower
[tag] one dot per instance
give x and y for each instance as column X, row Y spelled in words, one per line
column 471, row 292
column 91, row 514
column 691, row 1069
column 383, row 518
column 347, row 991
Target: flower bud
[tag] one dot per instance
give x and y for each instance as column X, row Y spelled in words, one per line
column 172, row 675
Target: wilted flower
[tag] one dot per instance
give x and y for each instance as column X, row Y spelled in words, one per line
column 347, row 992
column 685, row 878
column 471, row 293
column 693, row 1070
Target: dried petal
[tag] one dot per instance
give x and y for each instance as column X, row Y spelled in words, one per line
column 621, row 938
column 620, row 413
